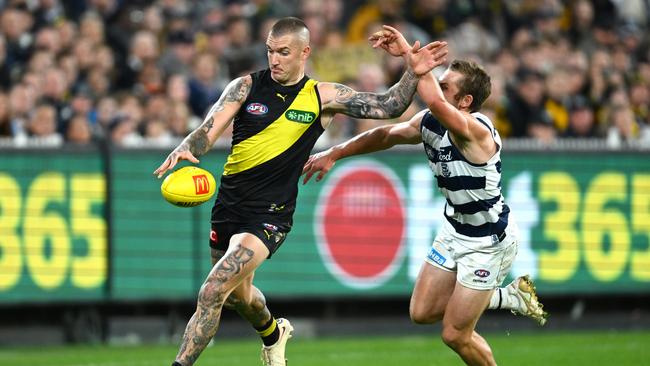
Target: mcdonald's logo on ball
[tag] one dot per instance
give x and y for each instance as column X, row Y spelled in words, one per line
column 188, row 187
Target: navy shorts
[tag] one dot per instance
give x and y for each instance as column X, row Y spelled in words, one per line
column 271, row 235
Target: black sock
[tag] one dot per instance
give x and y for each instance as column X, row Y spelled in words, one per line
column 269, row 332
column 176, row 364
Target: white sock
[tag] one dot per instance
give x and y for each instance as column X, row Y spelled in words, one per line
column 503, row 299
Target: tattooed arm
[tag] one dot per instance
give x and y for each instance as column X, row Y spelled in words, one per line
column 338, row 98
column 199, row 141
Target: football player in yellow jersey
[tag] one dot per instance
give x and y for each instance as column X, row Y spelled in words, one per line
column 277, row 115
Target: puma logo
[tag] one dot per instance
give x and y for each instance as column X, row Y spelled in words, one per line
column 283, row 97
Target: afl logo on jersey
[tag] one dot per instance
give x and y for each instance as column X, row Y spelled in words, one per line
column 257, row 108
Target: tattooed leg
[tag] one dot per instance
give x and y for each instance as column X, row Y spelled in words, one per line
column 250, row 305
column 247, row 300
column 237, row 264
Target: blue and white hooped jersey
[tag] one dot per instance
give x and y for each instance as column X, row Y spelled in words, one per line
column 475, row 206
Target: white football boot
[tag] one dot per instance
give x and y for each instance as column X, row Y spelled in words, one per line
column 274, row 355
column 528, row 305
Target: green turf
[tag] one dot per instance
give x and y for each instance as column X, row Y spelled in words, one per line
column 529, row 349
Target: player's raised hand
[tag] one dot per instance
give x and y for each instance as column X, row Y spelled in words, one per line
column 179, row 153
column 321, row 162
column 422, row 60
column 391, row 40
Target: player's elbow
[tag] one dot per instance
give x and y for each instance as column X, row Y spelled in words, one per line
column 383, row 135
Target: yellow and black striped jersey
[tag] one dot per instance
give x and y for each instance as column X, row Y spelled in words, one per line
column 273, row 134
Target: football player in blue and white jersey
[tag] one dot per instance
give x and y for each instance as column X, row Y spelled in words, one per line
column 477, row 243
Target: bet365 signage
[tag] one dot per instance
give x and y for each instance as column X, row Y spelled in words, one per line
column 52, row 234
column 583, row 229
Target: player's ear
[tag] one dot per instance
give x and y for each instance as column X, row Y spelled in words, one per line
column 466, row 101
column 306, row 51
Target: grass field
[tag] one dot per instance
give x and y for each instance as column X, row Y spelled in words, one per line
column 580, row 348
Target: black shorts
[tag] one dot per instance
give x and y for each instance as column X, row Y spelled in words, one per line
column 271, row 235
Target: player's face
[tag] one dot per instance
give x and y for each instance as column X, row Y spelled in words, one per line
column 449, row 85
column 287, row 56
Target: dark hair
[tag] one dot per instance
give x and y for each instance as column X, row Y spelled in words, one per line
column 288, row 25
column 476, row 82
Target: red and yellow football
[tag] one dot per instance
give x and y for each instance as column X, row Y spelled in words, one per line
column 188, row 186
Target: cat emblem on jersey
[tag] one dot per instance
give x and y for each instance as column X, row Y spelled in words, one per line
column 445, row 170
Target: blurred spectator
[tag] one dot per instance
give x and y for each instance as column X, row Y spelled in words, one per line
column 558, row 93
column 157, row 134
column 181, row 121
column 470, row 38
column 178, row 88
column 241, row 53
column 217, row 43
column 157, row 107
column 106, row 111
column 204, row 85
column 82, row 104
column 78, row 131
column 438, row 16
column 177, row 58
column 640, row 101
column 48, row 39
column 91, row 27
column 67, row 30
column 22, row 100
column 581, row 28
column 144, row 50
column 15, row 24
column 43, row 126
column 624, row 128
column 582, row 122
column 122, row 132
column 525, row 110
column 55, row 89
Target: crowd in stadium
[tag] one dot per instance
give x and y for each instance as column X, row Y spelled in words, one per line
column 145, row 72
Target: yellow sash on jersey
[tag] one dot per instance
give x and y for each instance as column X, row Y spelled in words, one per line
column 279, row 135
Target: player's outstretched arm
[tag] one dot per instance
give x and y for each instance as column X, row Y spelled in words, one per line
column 199, row 141
column 338, row 98
column 376, row 139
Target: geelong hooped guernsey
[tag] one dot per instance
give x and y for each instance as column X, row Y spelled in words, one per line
column 273, row 134
column 475, row 206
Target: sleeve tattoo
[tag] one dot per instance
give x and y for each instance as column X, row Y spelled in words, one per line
column 390, row 104
column 198, row 142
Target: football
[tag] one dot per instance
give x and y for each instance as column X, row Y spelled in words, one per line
column 188, row 186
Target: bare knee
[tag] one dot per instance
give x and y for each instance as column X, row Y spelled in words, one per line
column 425, row 314
column 212, row 294
column 455, row 338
